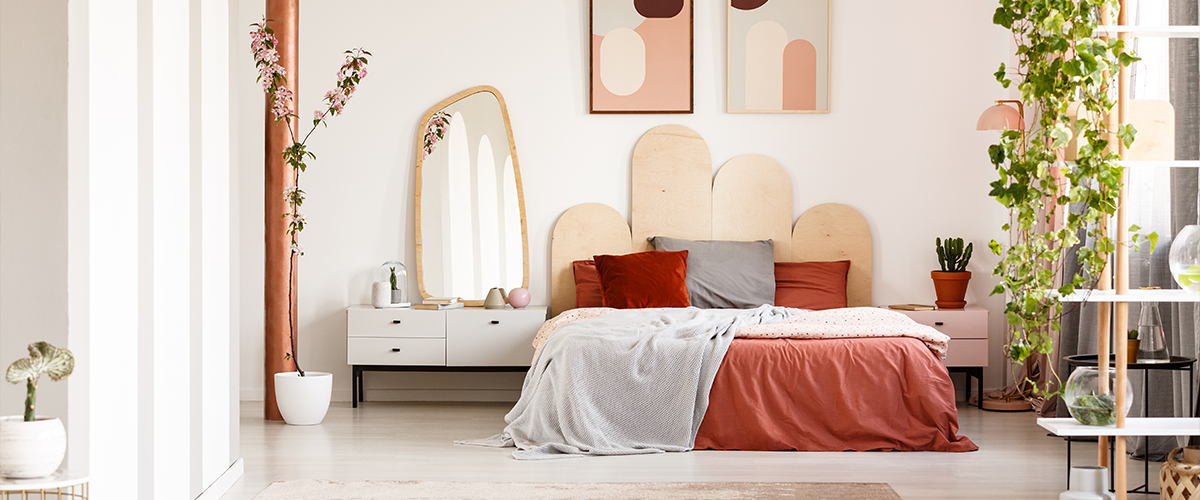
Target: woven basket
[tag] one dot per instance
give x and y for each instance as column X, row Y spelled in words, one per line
column 1178, row 480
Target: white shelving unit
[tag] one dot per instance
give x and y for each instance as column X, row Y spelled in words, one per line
column 1152, row 426
column 1154, row 164
column 1117, row 301
column 1132, row 296
column 1151, row 31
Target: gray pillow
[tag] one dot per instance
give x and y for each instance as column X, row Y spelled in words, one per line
column 726, row 274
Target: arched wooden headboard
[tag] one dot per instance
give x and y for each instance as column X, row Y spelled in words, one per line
column 674, row 194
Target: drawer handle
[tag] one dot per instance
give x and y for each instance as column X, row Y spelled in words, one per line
column 395, row 349
column 937, row 323
column 495, row 322
column 395, row 322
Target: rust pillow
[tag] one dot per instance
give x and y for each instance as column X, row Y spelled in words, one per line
column 811, row 285
column 646, row 279
column 587, row 284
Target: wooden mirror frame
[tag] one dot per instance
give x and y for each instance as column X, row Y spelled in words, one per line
column 512, row 149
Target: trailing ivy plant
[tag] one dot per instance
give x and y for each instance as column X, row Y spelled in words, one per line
column 1060, row 63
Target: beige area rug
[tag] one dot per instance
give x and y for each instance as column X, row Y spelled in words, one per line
column 315, row 489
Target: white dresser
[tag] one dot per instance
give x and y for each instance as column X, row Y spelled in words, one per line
column 466, row 339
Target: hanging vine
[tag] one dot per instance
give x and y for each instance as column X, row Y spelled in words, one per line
column 1066, row 76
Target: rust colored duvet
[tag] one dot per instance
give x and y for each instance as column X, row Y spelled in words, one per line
column 856, row 394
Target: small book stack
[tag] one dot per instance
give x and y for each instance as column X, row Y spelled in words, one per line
column 438, row 303
column 913, row 307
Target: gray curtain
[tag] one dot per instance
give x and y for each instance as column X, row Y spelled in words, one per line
column 1163, row 200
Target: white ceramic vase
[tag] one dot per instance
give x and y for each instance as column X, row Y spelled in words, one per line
column 31, row 449
column 381, row 294
column 1088, row 482
column 303, row 400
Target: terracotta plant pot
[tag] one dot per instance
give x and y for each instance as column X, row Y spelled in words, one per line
column 1132, row 347
column 951, row 288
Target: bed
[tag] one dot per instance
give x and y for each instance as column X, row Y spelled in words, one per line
column 809, row 394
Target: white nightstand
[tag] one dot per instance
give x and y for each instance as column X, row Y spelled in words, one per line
column 466, row 339
column 968, row 331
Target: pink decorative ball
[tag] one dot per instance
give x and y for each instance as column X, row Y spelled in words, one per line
column 518, row 298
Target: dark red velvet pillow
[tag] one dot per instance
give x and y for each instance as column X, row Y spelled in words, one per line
column 811, row 285
column 587, row 284
column 646, row 279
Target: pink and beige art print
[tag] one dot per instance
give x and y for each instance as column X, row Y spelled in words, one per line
column 641, row 56
column 778, row 60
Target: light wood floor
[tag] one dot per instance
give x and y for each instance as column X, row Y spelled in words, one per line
column 413, row 441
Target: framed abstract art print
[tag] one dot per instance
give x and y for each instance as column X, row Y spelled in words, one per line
column 641, row 56
column 778, row 56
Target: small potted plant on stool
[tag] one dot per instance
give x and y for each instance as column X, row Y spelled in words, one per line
column 30, row 446
column 950, row 283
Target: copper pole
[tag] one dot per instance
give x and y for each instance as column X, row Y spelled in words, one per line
column 283, row 16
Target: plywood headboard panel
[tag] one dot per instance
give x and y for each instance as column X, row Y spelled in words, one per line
column 837, row 232
column 675, row 195
column 672, row 183
column 752, row 200
column 582, row 231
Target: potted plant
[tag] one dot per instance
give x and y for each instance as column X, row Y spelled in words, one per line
column 1133, row 346
column 303, row 398
column 1061, row 68
column 951, row 282
column 30, row 446
column 397, row 294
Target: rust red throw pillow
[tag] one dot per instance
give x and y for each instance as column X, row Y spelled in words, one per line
column 811, row 285
column 647, row 279
column 587, row 284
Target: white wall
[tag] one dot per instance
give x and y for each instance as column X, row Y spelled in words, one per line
column 33, row 196
column 909, row 81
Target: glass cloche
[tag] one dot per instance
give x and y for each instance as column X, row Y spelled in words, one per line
column 395, row 274
column 1087, row 403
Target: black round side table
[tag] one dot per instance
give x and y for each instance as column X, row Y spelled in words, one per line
column 1176, row 363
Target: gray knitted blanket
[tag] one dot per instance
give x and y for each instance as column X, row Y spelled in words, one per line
column 630, row 382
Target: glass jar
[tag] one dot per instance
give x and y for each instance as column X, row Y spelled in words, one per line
column 1185, row 258
column 1153, row 348
column 395, row 275
column 1087, row 404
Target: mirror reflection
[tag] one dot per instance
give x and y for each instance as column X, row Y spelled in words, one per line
column 470, row 209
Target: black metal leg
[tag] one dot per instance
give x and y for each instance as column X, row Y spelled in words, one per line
column 1146, row 439
column 979, row 377
column 361, row 396
column 967, row 379
column 1068, row 462
column 354, row 387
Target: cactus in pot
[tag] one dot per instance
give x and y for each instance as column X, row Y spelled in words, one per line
column 951, row 282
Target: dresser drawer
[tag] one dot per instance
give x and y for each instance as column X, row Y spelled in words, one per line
column 394, row 323
column 967, row 352
column 396, row 351
column 970, row 323
column 499, row 337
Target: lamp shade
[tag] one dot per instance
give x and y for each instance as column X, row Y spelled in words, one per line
column 1000, row 117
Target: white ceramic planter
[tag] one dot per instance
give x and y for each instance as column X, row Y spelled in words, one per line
column 303, row 400
column 31, row 449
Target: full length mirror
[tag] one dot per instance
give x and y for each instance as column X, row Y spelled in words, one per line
column 470, row 209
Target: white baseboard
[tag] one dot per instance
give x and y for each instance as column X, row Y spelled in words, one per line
column 225, row 481
column 471, row 395
column 251, row 394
